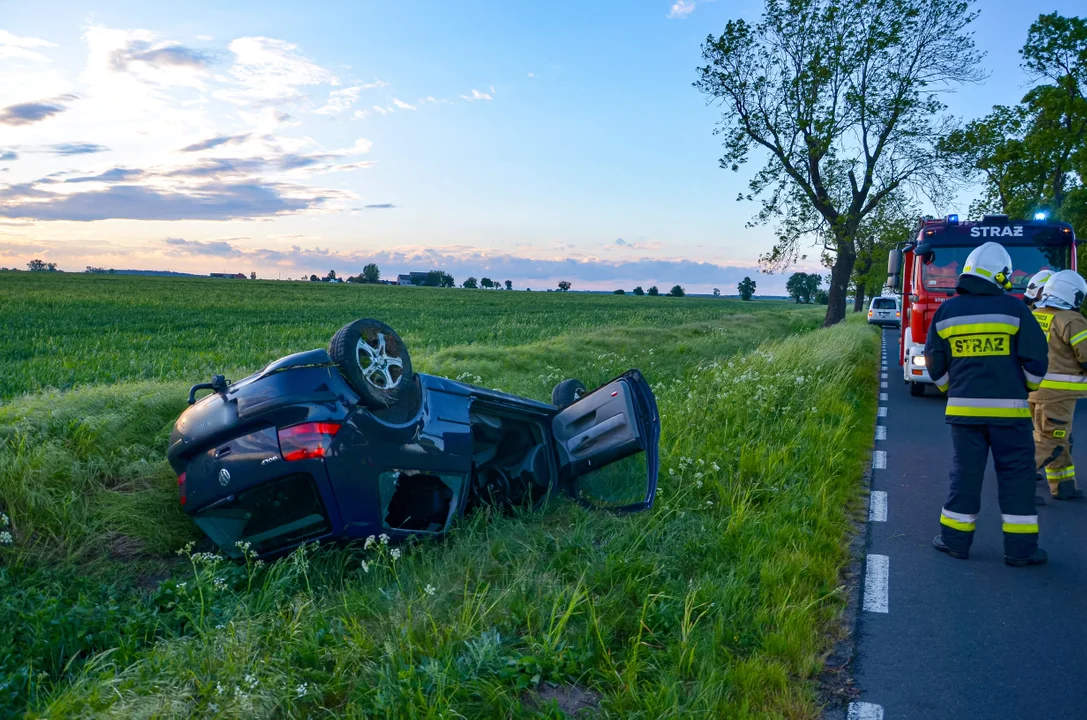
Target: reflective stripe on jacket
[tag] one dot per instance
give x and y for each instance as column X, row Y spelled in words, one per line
column 986, row 350
column 1067, row 341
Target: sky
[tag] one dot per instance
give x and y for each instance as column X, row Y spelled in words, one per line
column 524, row 141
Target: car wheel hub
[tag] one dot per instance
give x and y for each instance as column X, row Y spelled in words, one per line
column 377, row 365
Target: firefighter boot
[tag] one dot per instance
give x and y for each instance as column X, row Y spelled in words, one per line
column 1067, row 490
column 1039, row 557
column 938, row 543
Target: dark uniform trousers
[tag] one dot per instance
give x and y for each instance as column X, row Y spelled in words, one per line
column 1012, row 446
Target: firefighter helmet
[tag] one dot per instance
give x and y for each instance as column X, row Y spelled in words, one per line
column 1033, row 293
column 991, row 262
column 1065, row 289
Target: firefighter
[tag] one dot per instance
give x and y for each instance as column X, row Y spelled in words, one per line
column 1054, row 403
column 1033, row 293
column 986, row 350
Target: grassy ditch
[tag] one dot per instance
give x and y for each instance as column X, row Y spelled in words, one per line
column 718, row 602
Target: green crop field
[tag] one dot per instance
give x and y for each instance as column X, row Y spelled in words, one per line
column 721, row 601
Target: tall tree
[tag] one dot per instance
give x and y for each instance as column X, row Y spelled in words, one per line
column 371, row 273
column 470, row 283
column 746, row 288
column 842, row 97
column 800, row 286
column 1033, row 156
column 564, row 285
column 509, row 284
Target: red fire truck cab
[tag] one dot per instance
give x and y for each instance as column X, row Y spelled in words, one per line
column 925, row 269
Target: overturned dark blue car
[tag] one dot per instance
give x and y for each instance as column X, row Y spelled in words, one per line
column 349, row 442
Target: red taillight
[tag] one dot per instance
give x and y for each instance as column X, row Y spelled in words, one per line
column 305, row 441
column 869, row 313
column 898, row 314
column 181, row 487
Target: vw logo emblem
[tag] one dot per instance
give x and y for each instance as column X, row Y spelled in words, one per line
column 224, row 477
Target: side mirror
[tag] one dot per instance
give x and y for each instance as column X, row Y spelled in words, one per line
column 894, row 268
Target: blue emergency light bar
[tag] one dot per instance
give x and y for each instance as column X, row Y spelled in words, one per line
column 1040, row 216
column 952, row 219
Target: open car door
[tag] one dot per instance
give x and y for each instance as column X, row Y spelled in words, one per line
column 607, row 445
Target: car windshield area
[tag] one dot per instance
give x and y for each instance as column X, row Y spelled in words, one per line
column 941, row 271
column 883, row 304
column 273, row 515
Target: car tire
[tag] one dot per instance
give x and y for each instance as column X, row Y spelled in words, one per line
column 567, row 392
column 917, row 389
column 374, row 361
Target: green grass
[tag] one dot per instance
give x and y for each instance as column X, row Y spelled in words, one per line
column 719, row 602
column 66, row 330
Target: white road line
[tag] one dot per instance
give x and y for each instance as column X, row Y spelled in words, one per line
column 881, row 432
column 879, row 459
column 883, row 385
column 883, row 376
column 882, row 412
column 875, row 583
column 883, row 397
column 864, row 711
column 877, row 506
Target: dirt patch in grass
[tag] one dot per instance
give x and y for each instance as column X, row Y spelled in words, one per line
column 572, row 700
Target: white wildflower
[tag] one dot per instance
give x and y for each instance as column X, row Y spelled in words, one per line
column 220, row 626
column 709, row 502
column 429, row 590
column 251, row 681
column 701, row 461
column 301, row 690
column 219, row 689
column 395, row 553
column 671, row 471
column 219, row 583
column 365, row 566
column 369, row 543
column 4, row 520
column 5, row 538
column 696, row 476
column 383, row 538
column 716, row 467
column 699, row 483
column 182, row 585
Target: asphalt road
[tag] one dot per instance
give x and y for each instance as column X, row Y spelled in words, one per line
column 946, row 638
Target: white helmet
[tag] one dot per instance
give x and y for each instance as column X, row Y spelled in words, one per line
column 1065, row 289
column 990, row 262
column 1033, row 293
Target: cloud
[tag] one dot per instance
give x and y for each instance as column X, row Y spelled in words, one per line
column 621, row 241
column 379, row 206
column 476, row 95
column 68, row 149
column 532, row 75
column 383, row 111
column 113, row 175
column 375, row 84
column 217, row 248
column 14, row 46
column 361, row 114
column 216, row 142
column 267, row 70
column 340, row 100
column 402, row 105
column 6, row 155
column 160, row 55
column 681, row 9
column 31, row 112
column 213, row 201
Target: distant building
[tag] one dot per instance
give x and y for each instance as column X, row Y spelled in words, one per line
column 414, row 278
column 231, row 276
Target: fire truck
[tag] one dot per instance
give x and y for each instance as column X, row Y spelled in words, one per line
column 924, row 270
